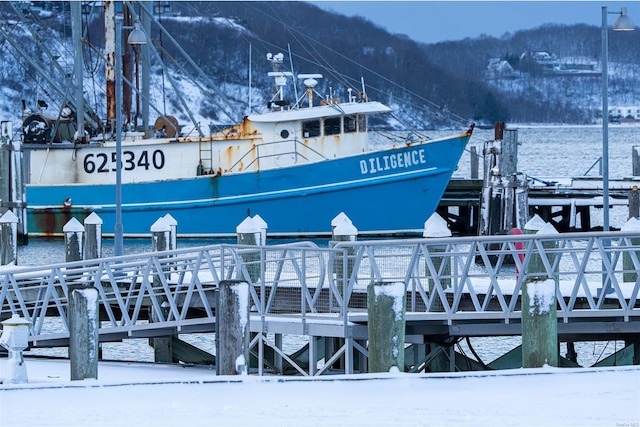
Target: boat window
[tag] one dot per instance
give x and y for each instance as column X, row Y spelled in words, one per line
column 332, row 126
column 311, row 128
column 350, row 124
column 362, row 123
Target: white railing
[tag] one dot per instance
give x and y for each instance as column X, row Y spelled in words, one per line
column 451, row 279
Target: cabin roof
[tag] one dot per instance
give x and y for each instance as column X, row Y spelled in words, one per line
column 321, row 111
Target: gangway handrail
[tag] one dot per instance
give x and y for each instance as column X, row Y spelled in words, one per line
column 452, row 279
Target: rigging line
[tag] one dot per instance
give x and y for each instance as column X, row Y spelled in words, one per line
column 326, row 66
column 164, row 92
column 317, row 56
column 189, row 60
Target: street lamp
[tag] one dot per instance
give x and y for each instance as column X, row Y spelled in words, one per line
column 622, row 23
column 136, row 37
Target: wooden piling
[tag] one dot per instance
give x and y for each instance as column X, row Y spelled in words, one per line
column 436, row 227
column 173, row 231
column 630, row 271
column 386, row 305
column 162, row 346
column 635, row 160
column 83, row 332
column 5, row 174
column 474, row 162
column 539, row 311
column 263, row 226
column 8, row 239
column 93, row 233
column 343, row 230
column 504, row 199
column 634, row 202
column 249, row 232
column 12, row 187
column 73, row 240
column 232, row 320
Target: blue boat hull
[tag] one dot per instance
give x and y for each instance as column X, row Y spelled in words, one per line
column 389, row 192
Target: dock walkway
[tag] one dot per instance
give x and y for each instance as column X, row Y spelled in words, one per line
column 455, row 287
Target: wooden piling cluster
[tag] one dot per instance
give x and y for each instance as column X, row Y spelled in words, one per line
column 503, row 202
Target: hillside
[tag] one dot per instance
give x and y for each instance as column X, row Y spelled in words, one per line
column 429, row 86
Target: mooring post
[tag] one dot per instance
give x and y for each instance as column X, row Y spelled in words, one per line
column 630, row 271
column 162, row 346
column 634, row 202
column 73, row 240
column 386, row 323
column 83, row 332
column 635, row 160
column 93, row 231
column 343, row 230
column 503, row 203
column 8, row 239
column 539, row 311
column 233, row 327
column 249, row 232
column 475, row 162
column 263, row 226
column 173, row 231
column 5, row 172
column 436, row 227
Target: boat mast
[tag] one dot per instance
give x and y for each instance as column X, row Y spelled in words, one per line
column 110, row 53
column 76, row 29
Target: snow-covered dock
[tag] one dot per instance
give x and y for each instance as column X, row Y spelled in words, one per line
column 455, row 288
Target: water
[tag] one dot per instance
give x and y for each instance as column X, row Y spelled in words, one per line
column 543, row 152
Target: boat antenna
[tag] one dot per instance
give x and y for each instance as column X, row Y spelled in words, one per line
column 250, row 89
column 295, row 86
column 310, row 81
column 364, row 91
column 280, row 79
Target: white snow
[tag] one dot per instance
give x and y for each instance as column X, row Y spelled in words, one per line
column 542, row 295
column 394, row 290
column 535, row 223
column 128, row 394
column 436, row 226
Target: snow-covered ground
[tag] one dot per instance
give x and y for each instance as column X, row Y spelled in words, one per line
column 151, row 395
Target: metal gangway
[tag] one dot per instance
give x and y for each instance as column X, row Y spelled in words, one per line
column 455, row 286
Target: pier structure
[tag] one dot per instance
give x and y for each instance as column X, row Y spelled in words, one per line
column 505, row 198
column 454, row 288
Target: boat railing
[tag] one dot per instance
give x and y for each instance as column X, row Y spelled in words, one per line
column 270, row 150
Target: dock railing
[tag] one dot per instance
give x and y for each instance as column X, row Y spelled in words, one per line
column 448, row 280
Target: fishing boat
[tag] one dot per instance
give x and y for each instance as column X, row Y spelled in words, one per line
column 298, row 165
